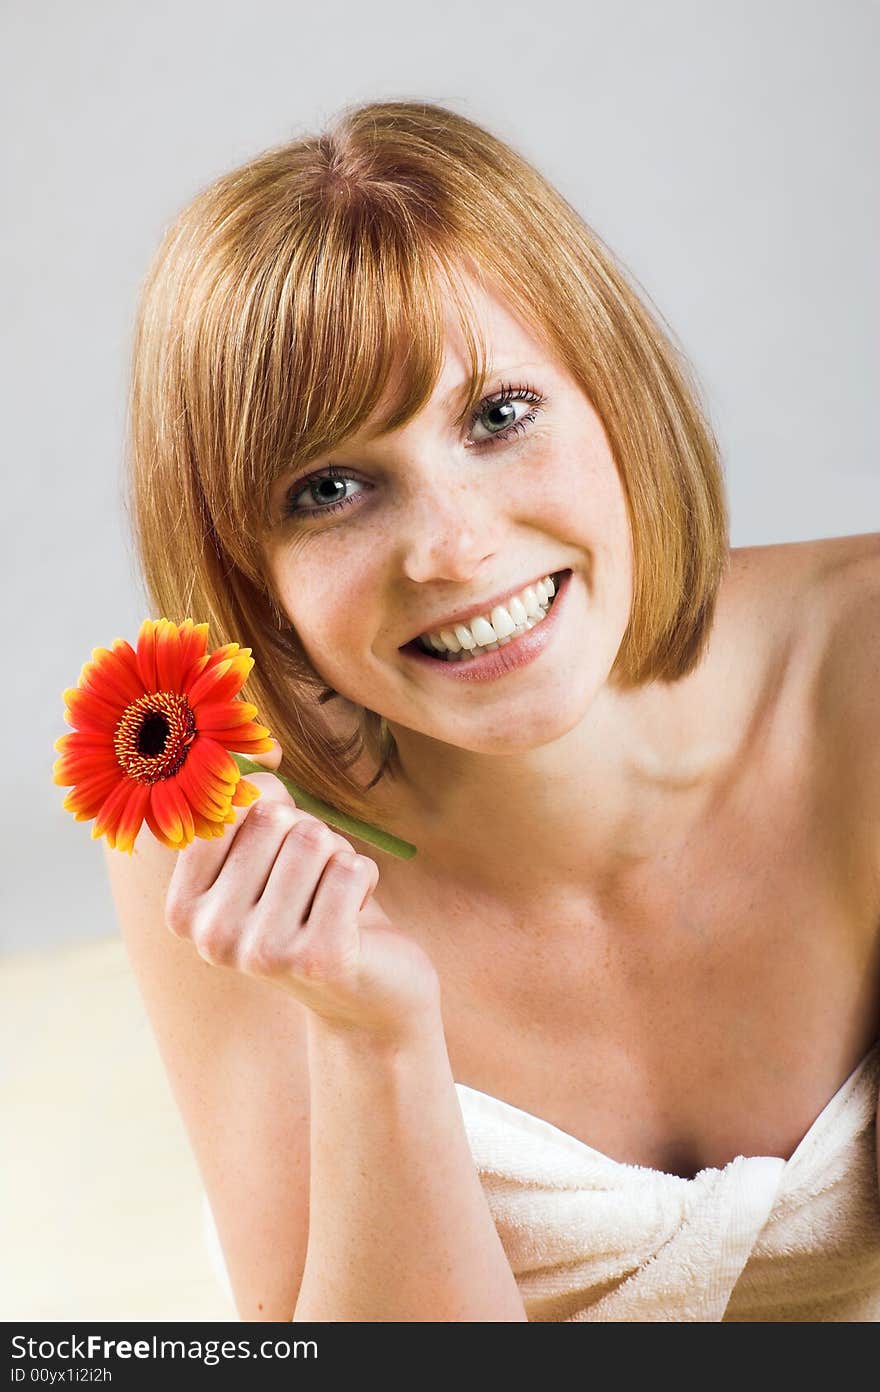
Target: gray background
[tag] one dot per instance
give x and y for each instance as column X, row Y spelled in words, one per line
column 726, row 152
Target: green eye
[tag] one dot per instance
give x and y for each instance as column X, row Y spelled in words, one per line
column 506, row 420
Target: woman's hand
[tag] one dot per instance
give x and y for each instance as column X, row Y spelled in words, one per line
column 281, row 896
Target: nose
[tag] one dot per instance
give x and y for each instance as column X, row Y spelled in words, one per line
column 449, row 533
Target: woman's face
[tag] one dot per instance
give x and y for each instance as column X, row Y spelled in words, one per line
column 438, row 518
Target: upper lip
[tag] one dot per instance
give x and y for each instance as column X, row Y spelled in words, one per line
column 462, row 616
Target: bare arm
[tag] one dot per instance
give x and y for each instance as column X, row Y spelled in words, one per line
column 236, row 1058
column 399, row 1226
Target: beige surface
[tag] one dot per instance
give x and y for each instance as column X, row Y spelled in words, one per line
column 100, row 1205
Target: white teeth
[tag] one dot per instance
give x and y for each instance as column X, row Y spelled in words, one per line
column 517, row 611
column 464, row 654
column 483, row 632
column 533, row 600
column 503, row 623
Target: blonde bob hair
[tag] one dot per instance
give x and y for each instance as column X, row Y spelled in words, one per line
column 286, row 299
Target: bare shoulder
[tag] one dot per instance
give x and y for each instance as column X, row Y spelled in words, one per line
column 844, row 566
column 820, row 602
column 812, row 588
column 805, row 569
column 843, row 602
column 234, row 1051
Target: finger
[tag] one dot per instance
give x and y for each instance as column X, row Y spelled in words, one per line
column 325, row 938
column 244, row 873
column 248, row 868
column 302, row 855
column 199, row 864
column 371, row 870
column 222, row 921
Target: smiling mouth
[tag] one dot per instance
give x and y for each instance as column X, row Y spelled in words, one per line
column 476, row 644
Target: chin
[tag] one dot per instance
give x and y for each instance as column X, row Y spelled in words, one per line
column 515, row 736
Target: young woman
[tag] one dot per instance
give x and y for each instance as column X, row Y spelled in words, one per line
column 606, row 1047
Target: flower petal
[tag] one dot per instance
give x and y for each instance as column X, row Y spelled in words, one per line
column 245, row 739
column 206, row 795
column 73, row 768
column 245, row 793
column 87, row 711
column 105, row 778
column 174, row 812
column 220, row 715
column 127, row 658
column 111, row 809
column 166, row 812
column 215, row 758
column 212, row 659
column 202, row 762
column 193, row 646
column 86, row 798
column 184, row 811
column 155, row 828
column 111, row 678
column 220, row 682
column 207, row 828
column 170, row 660
column 79, row 740
column 146, row 655
column 130, row 819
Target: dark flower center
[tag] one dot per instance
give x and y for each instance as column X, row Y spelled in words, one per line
column 153, row 738
column 153, row 733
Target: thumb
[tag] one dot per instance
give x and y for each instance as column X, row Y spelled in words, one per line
column 271, row 758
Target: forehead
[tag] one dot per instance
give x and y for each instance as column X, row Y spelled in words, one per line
column 494, row 319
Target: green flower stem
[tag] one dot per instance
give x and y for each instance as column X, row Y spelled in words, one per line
column 404, row 850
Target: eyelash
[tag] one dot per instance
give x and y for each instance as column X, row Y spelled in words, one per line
column 507, row 393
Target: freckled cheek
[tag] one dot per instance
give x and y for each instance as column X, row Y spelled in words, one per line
column 333, row 624
column 576, row 492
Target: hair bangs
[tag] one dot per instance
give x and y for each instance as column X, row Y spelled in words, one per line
column 347, row 339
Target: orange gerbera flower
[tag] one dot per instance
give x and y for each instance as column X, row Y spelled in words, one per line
column 152, row 735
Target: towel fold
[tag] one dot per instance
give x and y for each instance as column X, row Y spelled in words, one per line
column 591, row 1238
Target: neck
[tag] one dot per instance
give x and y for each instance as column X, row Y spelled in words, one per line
column 626, row 786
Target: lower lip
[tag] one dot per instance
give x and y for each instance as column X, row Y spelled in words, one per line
column 519, row 652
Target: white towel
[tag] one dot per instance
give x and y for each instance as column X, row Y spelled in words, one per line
column 590, row 1238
